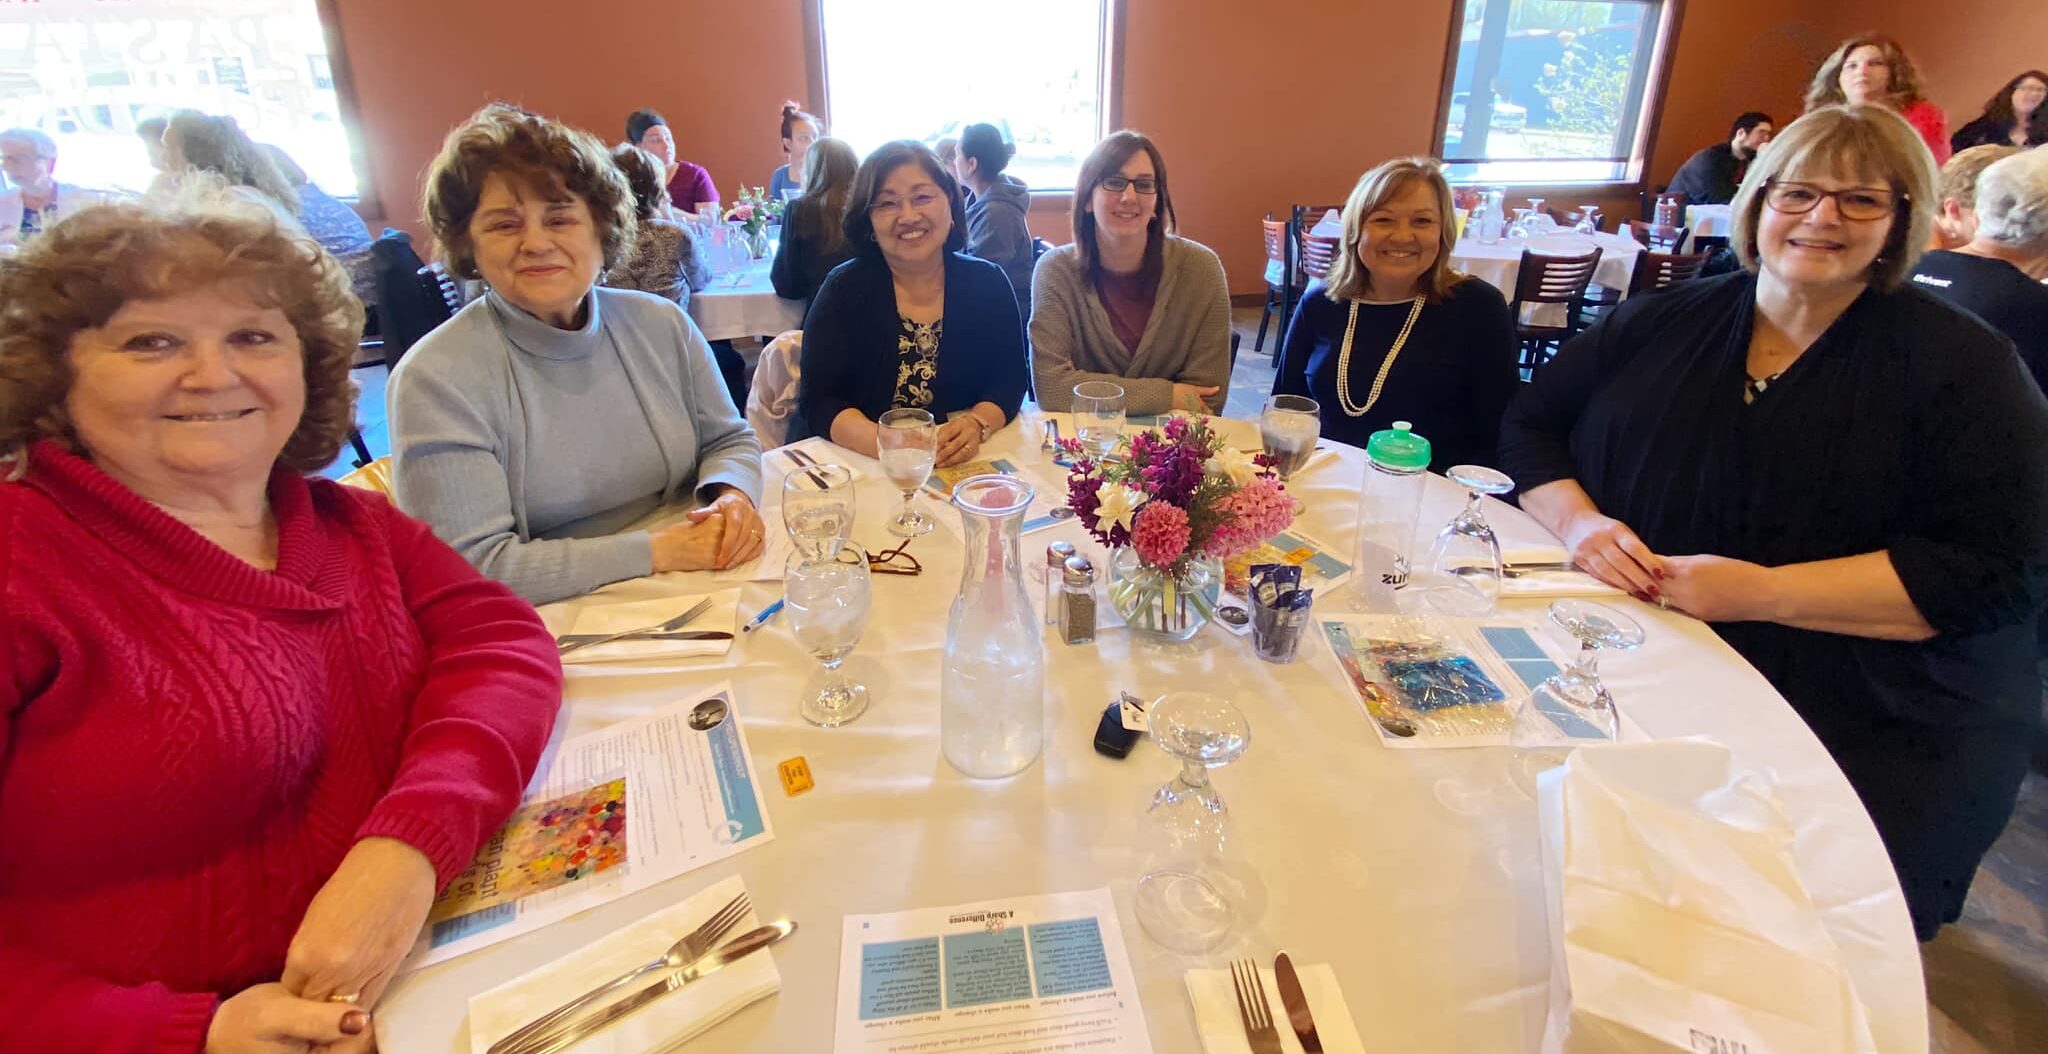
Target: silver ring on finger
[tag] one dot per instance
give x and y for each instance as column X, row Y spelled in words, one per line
column 1663, row 602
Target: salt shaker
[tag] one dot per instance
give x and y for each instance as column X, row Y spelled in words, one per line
column 1056, row 556
column 1077, row 601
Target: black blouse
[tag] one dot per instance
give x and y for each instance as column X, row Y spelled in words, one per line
column 1909, row 427
column 1452, row 379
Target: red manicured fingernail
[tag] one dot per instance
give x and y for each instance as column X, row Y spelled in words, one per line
column 1655, row 592
column 1659, row 574
column 354, row 1022
column 1639, row 595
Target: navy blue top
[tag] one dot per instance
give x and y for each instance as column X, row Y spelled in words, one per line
column 850, row 344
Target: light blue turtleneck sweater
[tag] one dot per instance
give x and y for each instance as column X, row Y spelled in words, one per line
column 527, row 447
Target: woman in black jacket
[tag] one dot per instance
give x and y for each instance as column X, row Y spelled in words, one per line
column 910, row 321
column 2016, row 116
column 813, row 236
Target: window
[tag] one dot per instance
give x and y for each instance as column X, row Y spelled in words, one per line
column 86, row 71
column 923, row 69
column 1550, row 91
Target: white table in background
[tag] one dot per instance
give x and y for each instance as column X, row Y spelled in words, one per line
column 1501, row 262
column 741, row 302
column 1707, row 221
column 1433, row 919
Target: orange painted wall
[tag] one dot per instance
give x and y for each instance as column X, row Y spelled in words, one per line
column 1965, row 51
column 1733, row 56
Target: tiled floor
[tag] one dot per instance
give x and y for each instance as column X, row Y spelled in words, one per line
column 1987, row 976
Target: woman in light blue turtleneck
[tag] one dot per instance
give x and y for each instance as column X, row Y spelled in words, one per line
column 538, row 426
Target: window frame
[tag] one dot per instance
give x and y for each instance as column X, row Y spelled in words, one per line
column 1655, row 84
column 366, row 200
column 1109, row 81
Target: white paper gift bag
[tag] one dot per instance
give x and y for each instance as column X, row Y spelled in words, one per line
column 1677, row 918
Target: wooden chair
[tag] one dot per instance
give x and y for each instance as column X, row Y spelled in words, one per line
column 1560, row 280
column 1318, row 255
column 1659, row 238
column 1279, row 260
column 374, row 475
column 1656, row 271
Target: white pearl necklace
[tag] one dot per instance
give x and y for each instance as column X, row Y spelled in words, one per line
column 1344, row 360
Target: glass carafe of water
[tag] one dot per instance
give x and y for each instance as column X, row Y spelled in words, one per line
column 992, row 682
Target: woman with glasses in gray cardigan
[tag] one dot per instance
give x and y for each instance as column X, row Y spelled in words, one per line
column 1129, row 301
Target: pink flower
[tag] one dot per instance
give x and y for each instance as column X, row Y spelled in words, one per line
column 1160, row 533
column 1257, row 511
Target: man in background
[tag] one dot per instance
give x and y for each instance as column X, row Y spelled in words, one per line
column 1711, row 176
column 1955, row 219
column 36, row 200
column 1997, row 274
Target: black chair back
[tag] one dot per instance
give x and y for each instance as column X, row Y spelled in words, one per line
column 409, row 306
column 1656, row 271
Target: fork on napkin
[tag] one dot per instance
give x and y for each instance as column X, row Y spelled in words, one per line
column 1222, row 1030
column 643, row 602
column 667, row 1022
column 1549, row 583
column 809, row 453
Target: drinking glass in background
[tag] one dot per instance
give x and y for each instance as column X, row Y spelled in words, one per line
column 908, row 441
column 817, row 510
column 1289, row 426
column 707, row 212
column 1098, row 416
column 827, row 602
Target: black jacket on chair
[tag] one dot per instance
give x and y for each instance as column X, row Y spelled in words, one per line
column 850, row 344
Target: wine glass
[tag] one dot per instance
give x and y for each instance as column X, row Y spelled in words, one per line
column 1185, row 898
column 817, row 509
column 1535, row 210
column 828, row 603
column 1465, row 563
column 1572, row 706
column 909, row 445
column 1288, row 428
column 1098, row 416
column 1520, row 228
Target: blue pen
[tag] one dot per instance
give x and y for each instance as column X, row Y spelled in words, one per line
column 765, row 614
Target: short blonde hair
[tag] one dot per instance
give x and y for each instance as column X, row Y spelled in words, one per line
column 1826, row 89
column 1959, row 175
column 1349, row 278
column 78, row 273
column 1862, row 142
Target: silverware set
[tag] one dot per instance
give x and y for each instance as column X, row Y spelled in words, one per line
column 1522, row 570
column 804, row 461
column 1257, row 1014
column 571, row 642
column 690, row 959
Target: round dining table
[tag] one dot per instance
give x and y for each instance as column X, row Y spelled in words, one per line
column 1425, row 900
column 740, row 301
column 1500, row 263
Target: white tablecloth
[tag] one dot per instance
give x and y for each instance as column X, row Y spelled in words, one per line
column 741, row 302
column 1369, row 859
column 1712, row 221
column 1500, row 263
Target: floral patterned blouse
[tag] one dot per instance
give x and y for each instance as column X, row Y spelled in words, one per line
column 917, row 361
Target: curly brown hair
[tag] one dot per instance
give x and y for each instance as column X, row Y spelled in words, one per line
column 78, row 273
column 643, row 173
column 1826, row 89
column 548, row 157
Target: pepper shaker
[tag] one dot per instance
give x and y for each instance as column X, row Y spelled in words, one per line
column 1055, row 566
column 1077, row 601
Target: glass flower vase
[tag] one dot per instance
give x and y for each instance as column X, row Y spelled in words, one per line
column 1154, row 603
column 757, row 243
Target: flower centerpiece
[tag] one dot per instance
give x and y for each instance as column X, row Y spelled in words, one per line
column 753, row 211
column 1172, row 504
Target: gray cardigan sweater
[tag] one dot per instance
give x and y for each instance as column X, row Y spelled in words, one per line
column 1187, row 338
column 480, row 407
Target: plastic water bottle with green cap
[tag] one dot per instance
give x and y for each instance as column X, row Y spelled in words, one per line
column 1389, row 506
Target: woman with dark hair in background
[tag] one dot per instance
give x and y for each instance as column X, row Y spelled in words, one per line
column 799, row 131
column 664, row 259
column 911, row 321
column 1874, row 71
column 2013, row 117
column 813, row 229
column 689, row 185
column 996, row 208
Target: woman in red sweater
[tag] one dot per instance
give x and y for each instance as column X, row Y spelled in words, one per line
column 249, row 721
column 1874, row 71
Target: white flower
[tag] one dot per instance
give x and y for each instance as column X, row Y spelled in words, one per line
column 1116, row 504
column 1233, row 463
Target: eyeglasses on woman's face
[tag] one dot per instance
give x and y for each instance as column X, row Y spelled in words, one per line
column 1854, row 203
column 1145, row 185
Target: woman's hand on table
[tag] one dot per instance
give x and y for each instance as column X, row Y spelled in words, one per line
column 361, row 924
column 269, row 1019
column 688, row 546
column 958, row 440
column 743, row 537
column 1607, row 549
column 1193, row 398
column 1719, row 589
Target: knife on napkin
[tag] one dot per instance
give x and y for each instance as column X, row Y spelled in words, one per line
column 1292, row 997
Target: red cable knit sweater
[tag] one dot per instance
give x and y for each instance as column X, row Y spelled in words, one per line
column 191, row 745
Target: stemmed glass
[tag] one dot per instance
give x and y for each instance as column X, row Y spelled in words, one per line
column 1520, row 228
column 1465, row 562
column 909, row 445
column 1098, row 416
column 1288, row 428
column 1185, row 898
column 1536, row 207
column 1572, row 706
column 817, row 510
column 828, row 603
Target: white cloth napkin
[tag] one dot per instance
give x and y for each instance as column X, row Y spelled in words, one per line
column 1222, row 1029
column 625, row 606
column 1550, row 583
column 663, row 1025
column 817, row 449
